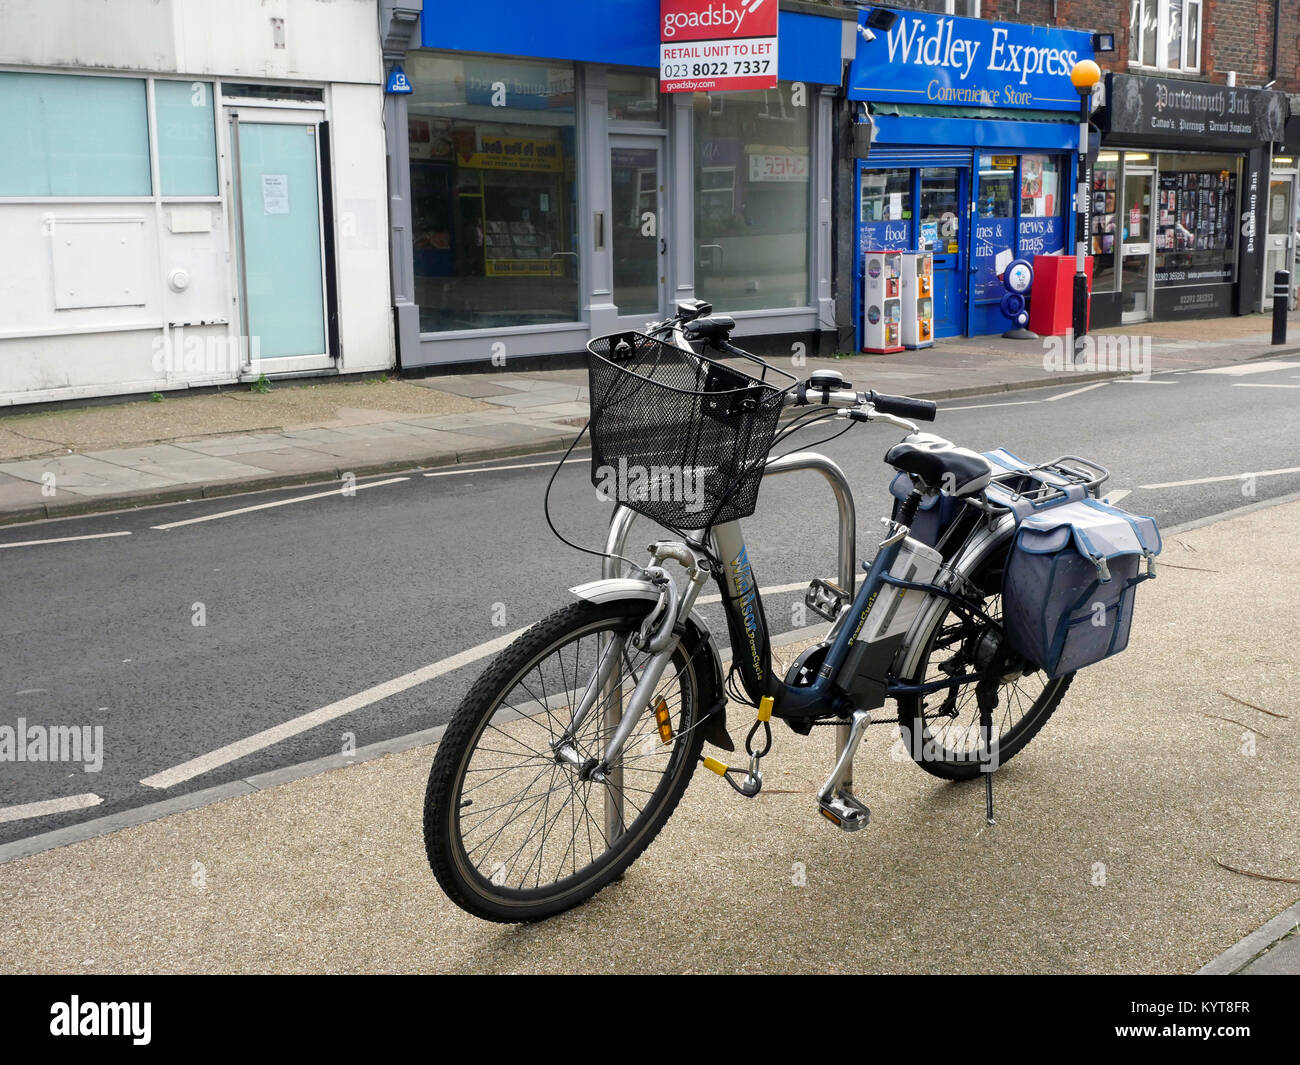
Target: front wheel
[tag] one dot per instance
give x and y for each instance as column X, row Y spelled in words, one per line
column 941, row 730
column 515, row 833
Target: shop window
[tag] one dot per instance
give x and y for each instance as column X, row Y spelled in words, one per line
column 73, row 135
column 752, row 198
column 997, row 186
column 187, row 149
column 1165, row 34
column 886, row 195
column 1105, row 191
column 1195, row 221
column 633, row 97
column 493, row 194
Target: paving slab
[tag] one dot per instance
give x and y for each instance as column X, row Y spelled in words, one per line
column 221, row 446
column 177, row 464
column 87, row 475
column 16, row 492
column 1280, row 960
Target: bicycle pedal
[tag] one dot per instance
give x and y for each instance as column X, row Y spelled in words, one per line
column 825, row 599
column 845, row 810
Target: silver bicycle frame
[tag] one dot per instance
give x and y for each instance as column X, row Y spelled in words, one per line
column 615, row 545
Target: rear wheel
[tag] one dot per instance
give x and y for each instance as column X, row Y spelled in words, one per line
column 941, row 730
column 515, row 833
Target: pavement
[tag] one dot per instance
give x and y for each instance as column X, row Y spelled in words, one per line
column 1148, row 828
column 65, row 462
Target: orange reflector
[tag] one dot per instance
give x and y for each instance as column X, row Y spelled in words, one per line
column 830, row 817
column 663, row 720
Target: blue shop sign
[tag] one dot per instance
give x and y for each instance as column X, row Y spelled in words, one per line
column 942, row 59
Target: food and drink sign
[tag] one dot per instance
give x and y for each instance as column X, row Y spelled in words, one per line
column 717, row 45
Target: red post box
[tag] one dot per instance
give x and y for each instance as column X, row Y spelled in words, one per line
column 1052, row 297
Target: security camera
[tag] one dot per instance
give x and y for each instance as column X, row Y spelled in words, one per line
column 866, row 34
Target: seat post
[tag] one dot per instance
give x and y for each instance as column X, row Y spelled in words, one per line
column 908, row 510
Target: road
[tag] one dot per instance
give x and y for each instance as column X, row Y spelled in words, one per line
column 183, row 641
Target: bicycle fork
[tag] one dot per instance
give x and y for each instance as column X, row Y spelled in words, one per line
column 658, row 636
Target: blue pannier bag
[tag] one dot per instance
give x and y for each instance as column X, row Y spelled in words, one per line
column 933, row 516
column 1068, row 586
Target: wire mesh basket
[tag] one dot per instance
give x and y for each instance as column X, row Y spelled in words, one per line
column 677, row 436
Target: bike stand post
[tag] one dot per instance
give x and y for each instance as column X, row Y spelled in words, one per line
column 987, row 698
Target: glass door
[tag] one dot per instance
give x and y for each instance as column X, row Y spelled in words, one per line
column 942, row 194
column 638, row 238
column 1280, row 246
column 1135, row 246
column 280, row 265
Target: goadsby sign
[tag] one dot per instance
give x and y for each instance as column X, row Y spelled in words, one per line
column 942, row 59
column 717, row 45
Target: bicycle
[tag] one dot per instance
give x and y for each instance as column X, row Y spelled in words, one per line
column 571, row 751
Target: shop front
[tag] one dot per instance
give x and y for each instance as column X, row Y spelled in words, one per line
column 1183, row 213
column 966, row 135
column 546, row 190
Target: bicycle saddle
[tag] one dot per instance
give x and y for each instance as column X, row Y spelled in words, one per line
column 940, row 464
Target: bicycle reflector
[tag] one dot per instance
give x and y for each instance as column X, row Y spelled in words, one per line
column 664, row 720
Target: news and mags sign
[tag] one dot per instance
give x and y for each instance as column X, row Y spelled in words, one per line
column 717, row 45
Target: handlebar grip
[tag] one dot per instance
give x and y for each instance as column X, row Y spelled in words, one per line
column 904, row 406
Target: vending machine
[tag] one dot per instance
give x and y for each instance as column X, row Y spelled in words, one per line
column 918, row 299
column 882, row 305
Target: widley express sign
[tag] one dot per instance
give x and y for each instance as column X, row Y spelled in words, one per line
column 717, row 45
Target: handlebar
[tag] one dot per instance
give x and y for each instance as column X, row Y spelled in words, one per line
column 882, row 404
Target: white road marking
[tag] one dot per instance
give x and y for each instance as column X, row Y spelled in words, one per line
column 1226, row 477
column 1244, row 369
column 982, row 406
column 1142, row 381
column 492, row 469
column 63, row 539
column 49, row 806
column 1077, row 391
column 1119, row 493
column 231, row 752
column 1259, row 384
column 775, row 589
column 279, row 503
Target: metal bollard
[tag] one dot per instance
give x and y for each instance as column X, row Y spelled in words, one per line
column 1281, row 304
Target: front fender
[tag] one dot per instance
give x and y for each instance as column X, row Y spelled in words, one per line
column 696, row 637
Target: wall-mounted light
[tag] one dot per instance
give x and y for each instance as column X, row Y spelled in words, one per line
column 1103, row 42
column 879, row 19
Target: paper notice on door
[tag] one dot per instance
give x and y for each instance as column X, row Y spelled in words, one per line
column 275, row 193
column 1002, row 260
column 895, row 206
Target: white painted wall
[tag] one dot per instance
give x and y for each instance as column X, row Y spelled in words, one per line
column 50, row 348
column 324, row 40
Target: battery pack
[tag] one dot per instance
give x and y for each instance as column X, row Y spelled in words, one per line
column 866, row 666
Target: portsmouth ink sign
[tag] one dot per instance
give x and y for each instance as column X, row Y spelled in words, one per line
column 1183, row 112
column 941, row 59
column 717, row 45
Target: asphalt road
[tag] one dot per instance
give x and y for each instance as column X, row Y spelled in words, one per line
column 309, row 603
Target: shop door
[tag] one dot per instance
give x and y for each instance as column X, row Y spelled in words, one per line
column 638, row 234
column 942, row 195
column 1280, row 246
column 279, row 236
column 1135, row 246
